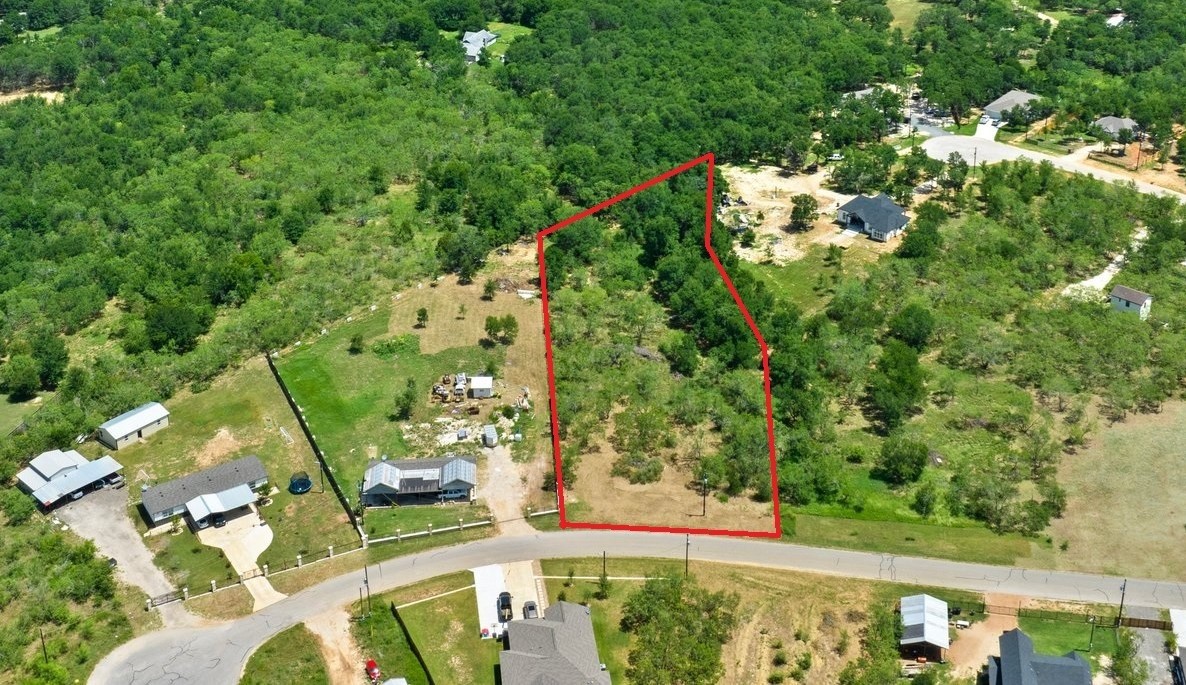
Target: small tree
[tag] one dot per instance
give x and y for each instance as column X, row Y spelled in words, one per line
column 356, row 346
column 489, row 289
column 803, row 209
column 901, row 461
column 421, row 317
column 461, row 311
column 405, row 401
column 603, row 586
column 494, row 328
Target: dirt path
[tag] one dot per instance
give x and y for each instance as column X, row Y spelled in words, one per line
column 974, row 645
column 343, row 659
column 503, row 492
column 50, row 96
column 1093, row 287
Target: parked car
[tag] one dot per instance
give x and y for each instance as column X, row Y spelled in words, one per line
column 77, row 494
column 505, row 613
column 219, row 520
column 835, row 157
column 984, row 119
column 530, row 610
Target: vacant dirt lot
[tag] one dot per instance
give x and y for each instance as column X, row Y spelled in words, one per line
column 1124, row 515
column 343, row 659
column 49, row 96
column 972, row 646
column 667, row 502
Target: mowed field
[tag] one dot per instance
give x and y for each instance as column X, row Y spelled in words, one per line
column 777, row 611
column 1125, row 515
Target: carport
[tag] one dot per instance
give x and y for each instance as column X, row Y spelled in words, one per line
column 201, row 507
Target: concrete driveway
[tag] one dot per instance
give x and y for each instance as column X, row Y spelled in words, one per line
column 244, row 537
column 103, row 518
column 986, row 131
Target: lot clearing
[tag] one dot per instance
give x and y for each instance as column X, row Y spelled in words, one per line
column 1123, row 515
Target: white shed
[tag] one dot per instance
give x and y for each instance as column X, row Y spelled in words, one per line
column 489, row 436
column 133, row 425
column 482, row 387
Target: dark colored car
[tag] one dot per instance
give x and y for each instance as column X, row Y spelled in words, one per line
column 505, row 613
column 530, row 610
column 219, row 520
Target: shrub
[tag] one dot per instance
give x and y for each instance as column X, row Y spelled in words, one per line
column 780, row 658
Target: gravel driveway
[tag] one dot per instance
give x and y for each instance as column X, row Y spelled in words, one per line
column 103, row 517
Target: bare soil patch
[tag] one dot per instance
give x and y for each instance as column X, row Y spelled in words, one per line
column 50, row 96
column 1167, row 175
column 343, row 659
column 975, row 644
column 673, row 500
column 1123, row 514
column 213, row 452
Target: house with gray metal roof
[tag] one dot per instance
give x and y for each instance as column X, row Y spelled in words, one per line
column 1125, row 299
column 878, row 217
column 1019, row 665
column 924, row 627
column 133, row 425
column 52, row 475
column 412, row 481
column 999, row 108
column 216, row 490
column 474, row 42
column 558, row 648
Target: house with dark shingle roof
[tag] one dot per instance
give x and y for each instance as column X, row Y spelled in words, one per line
column 558, row 649
column 878, row 217
column 408, row 481
column 1125, row 299
column 1019, row 665
column 216, row 490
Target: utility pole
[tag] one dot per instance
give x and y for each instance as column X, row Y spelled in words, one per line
column 44, row 651
column 1091, row 641
column 687, row 551
column 1123, row 589
column 603, row 564
column 704, row 494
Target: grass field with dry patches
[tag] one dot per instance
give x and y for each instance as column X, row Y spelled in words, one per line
column 1124, row 514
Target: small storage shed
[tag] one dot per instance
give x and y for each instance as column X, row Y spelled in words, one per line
column 133, row 425
column 489, row 436
column 482, row 387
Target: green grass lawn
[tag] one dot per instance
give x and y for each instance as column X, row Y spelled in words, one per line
column 41, row 33
column 292, row 656
column 507, row 33
column 12, row 413
column 411, row 519
column 905, row 13
column 966, row 129
column 348, row 399
column 1060, row 637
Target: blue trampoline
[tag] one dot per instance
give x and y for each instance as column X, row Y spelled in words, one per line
column 300, row 483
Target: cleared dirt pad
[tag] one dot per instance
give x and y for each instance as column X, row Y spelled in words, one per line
column 213, row 452
column 343, row 659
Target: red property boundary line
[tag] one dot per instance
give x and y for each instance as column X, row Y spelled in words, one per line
column 710, row 159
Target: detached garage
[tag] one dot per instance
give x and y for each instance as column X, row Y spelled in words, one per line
column 133, row 425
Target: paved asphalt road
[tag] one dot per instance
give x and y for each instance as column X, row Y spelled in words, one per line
column 216, row 655
column 991, row 151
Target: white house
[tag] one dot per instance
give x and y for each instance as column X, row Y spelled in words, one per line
column 481, row 387
column 133, row 425
column 474, row 42
column 1125, row 299
column 997, row 109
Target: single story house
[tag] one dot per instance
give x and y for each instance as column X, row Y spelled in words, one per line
column 1125, row 299
column 998, row 108
column 133, row 425
column 1115, row 20
column 489, row 436
column 878, row 217
column 481, row 387
column 1114, row 125
column 924, row 628
column 53, row 475
column 558, row 648
column 1018, row 665
column 408, row 481
column 216, row 490
column 475, row 42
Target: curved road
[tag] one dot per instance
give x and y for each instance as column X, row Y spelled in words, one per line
column 216, row 655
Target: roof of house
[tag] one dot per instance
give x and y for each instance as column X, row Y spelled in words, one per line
column 482, row 382
column 1114, row 125
column 48, row 465
column 203, row 505
column 410, row 476
column 1115, row 20
column 211, row 481
column 85, row 474
column 879, row 213
column 131, row 421
column 559, row 648
column 924, row 620
column 481, row 38
column 1129, row 295
column 1018, row 665
column 1010, row 100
